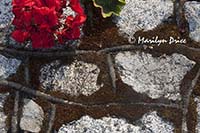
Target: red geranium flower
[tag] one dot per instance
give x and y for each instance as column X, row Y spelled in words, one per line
column 38, row 21
column 20, row 36
column 42, row 39
column 76, row 6
column 23, row 3
column 45, row 16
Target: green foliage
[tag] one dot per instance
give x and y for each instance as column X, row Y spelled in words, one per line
column 109, row 7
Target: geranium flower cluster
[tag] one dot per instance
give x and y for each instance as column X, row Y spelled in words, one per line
column 38, row 21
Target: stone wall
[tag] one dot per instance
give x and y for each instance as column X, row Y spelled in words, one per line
column 128, row 88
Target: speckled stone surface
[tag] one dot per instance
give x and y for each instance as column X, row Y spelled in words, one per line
column 143, row 15
column 192, row 14
column 155, row 76
column 8, row 66
column 74, row 79
column 149, row 123
column 32, row 117
column 6, row 14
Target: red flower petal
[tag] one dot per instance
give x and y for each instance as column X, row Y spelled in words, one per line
column 23, row 3
column 79, row 20
column 42, row 39
column 20, row 36
column 45, row 15
column 22, row 18
column 73, row 34
column 76, row 6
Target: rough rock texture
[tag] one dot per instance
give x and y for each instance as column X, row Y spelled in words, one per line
column 155, row 76
column 150, row 123
column 6, row 15
column 143, row 15
column 32, row 116
column 197, row 100
column 8, row 66
column 75, row 79
column 192, row 14
column 3, row 128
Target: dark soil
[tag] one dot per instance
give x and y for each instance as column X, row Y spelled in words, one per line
column 66, row 114
column 192, row 116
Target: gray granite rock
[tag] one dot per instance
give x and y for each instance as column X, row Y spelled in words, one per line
column 32, row 117
column 86, row 124
column 3, row 127
column 6, row 17
column 152, row 123
column 8, row 66
column 149, row 123
column 143, row 15
column 155, row 76
column 6, row 14
column 197, row 100
column 2, row 100
column 192, row 14
column 75, row 79
column 3, row 117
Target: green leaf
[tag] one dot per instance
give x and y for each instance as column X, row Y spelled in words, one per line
column 109, row 7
